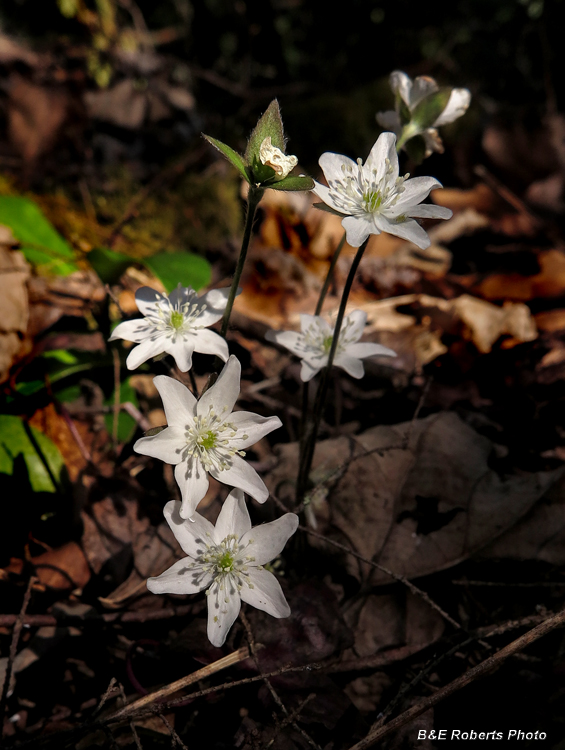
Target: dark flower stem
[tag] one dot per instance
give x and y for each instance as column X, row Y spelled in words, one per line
column 312, row 426
column 253, row 200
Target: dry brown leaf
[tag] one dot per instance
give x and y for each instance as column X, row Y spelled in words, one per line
column 418, row 510
column 14, row 310
column 480, row 198
column 550, row 320
column 539, row 536
column 549, row 282
column 63, row 568
column 36, row 115
column 122, row 105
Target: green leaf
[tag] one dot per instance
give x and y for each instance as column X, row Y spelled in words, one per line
column 184, row 268
column 40, row 242
column 430, row 108
column 270, row 124
column 108, row 264
column 416, row 149
column 42, row 458
column 126, row 424
column 293, row 183
column 232, row 156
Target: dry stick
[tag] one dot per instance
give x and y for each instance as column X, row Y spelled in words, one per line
column 176, row 739
column 138, row 616
column 276, row 697
column 201, row 674
column 480, row 670
column 131, row 724
column 293, row 715
column 13, row 650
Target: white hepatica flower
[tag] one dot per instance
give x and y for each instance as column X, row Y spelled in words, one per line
column 414, row 92
column 227, row 560
column 374, row 199
column 314, row 342
column 273, row 157
column 175, row 324
column 205, row 437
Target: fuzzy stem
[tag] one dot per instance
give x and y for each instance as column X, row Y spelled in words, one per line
column 253, row 200
column 312, row 427
column 329, row 276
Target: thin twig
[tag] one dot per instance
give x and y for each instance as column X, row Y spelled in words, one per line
column 141, row 615
column 275, row 695
column 475, row 673
column 201, row 674
column 13, row 650
column 131, row 724
column 176, row 739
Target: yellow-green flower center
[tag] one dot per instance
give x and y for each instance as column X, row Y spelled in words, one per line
column 327, row 343
column 208, row 440
column 177, row 319
column 225, row 562
column 373, row 200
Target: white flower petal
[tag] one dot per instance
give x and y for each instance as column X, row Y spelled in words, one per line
column 148, row 348
column 146, row 300
column 178, row 402
column 368, row 349
column 427, row 211
column 383, row 150
column 190, row 534
column 193, row 482
column 389, row 120
column 182, row 295
column 266, row 593
column 409, row 230
column 223, row 394
column 269, row 539
column 289, row 339
column 181, row 348
column 252, row 425
column 351, row 365
column 184, row 577
column 241, row 475
column 132, row 330
column 233, row 518
column 308, row 371
column 215, row 301
column 357, row 229
column 355, row 324
column 327, row 196
column 223, row 608
column 332, row 165
column 401, row 84
column 456, row 106
column 423, row 86
column 315, row 321
column 166, row 445
column 210, row 342
column 415, row 190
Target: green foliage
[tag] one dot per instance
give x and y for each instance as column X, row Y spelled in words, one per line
column 269, row 125
column 416, row 149
column 41, row 244
column 293, row 183
column 429, row 109
column 42, row 458
column 232, row 156
column 108, row 264
column 126, row 424
column 184, row 268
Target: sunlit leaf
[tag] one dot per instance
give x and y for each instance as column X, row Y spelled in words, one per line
column 293, row 183
column 108, row 264
column 186, row 269
column 41, row 244
column 232, row 156
column 42, row 458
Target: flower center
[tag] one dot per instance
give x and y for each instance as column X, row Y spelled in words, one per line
column 373, row 200
column 210, row 439
column 360, row 190
column 177, row 319
column 226, row 562
column 327, row 343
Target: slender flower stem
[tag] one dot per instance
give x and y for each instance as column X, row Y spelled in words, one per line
column 319, row 305
column 309, row 443
column 253, row 199
column 329, row 276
